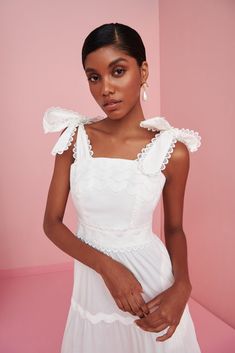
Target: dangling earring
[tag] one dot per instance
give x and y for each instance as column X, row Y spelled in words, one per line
column 144, row 94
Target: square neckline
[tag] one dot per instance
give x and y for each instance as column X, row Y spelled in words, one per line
column 139, row 155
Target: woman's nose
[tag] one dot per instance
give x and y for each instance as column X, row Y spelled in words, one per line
column 106, row 86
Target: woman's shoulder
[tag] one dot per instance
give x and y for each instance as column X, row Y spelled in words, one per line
column 179, row 158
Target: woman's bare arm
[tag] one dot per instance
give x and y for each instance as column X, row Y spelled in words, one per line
column 122, row 284
column 173, row 200
column 168, row 306
column 53, row 225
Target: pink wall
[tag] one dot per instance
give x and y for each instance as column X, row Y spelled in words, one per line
column 197, row 60
column 41, row 67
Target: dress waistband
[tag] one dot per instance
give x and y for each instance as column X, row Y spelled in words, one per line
column 109, row 240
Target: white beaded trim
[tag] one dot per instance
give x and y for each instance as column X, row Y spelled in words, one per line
column 75, row 152
column 168, row 154
column 75, row 144
column 140, row 155
column 183, row 138
column 144, row 152
column 182, row 133
column 69, row 141
column 179, row 135
column 88, row 143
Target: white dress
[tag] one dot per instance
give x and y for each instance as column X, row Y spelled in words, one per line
column 115, row 199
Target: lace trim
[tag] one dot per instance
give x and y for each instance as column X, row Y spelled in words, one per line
column 75, row 144
column 141, row 155
column 98, row 317
column 88, row 143
column 168, row 154
column 95, row 245
column 152, row 128
column 144, row 150
column 68, row 144
column 75, row 152
column 191, row 138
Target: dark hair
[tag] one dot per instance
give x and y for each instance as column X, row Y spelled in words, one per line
column 119, row 36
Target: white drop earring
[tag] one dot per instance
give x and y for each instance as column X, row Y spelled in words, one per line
column 144, row 94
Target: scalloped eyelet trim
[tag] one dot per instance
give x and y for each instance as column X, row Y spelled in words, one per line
column 142, row 154
column 75, row 152
column 192, row 145
column 88, row 143
column 75, row 144
column 69, row 141
column 168, row 154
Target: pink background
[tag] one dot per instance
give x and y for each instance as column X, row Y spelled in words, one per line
column 190, row 51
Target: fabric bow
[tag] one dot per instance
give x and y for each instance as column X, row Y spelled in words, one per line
column 190, row 138
column 156, row 123
column 56, row 119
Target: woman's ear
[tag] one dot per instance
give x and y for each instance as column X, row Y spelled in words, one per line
column 144, row 71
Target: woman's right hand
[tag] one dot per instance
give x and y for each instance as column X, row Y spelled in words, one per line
column 124, row 288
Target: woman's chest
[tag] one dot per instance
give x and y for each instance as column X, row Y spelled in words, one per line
column 114, row 180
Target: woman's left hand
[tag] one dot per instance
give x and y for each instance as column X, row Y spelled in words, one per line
column 166, row 310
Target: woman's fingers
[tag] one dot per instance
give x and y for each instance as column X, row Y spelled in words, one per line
column 156, row 329
column 150, row 321
column 168, row 334
column 154, row 303
column 137, row 304
column 119, row 304
column 156, row 326
column 134, row 305
column 127, row 305
column 141, row 303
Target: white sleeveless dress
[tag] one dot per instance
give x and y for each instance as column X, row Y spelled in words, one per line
column 115, row 199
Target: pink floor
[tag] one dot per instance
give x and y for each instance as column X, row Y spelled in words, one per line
column 34, row 309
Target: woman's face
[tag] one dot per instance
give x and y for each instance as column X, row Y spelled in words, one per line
column 112, row 74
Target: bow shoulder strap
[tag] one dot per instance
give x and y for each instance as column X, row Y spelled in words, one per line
column 163, row 145
column 56, row 119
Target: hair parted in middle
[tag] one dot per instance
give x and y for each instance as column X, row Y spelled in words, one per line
column 118, row 35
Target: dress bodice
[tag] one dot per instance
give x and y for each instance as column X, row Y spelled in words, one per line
column 114, row 195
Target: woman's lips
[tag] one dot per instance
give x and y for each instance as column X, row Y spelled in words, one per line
column 112, row 106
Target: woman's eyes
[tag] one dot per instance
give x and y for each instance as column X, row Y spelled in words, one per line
column 95, row 76
column 120, row 68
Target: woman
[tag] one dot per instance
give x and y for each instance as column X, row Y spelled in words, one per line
column 130, row 291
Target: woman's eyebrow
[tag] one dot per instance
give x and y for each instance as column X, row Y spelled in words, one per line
column 88, row 69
